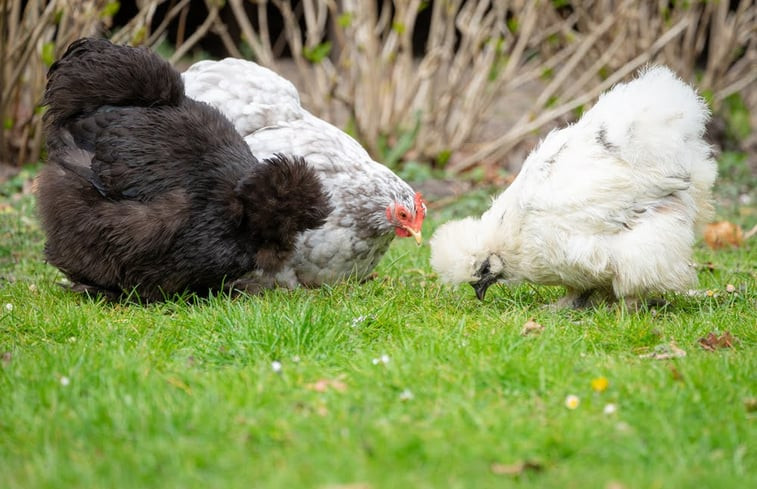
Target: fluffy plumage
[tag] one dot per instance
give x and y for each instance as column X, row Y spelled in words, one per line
column 150, row 190
column 371, row 204
column 609, row 204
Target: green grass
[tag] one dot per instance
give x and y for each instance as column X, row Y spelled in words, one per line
column 181, row 395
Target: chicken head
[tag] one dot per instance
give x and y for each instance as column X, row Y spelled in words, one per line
column 464, row 252
column 408, row 222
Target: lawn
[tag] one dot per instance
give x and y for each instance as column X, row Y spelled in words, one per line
column 396, row 383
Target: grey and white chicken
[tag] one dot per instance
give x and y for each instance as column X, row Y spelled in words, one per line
column 371, row 205
column 607, row 207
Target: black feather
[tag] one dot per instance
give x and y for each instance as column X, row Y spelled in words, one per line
column 148, row 190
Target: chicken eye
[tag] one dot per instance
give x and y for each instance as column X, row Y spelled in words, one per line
column 402, row 214
column 485, row 269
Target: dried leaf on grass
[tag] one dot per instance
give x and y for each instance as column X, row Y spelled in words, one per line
column 6, row 358
column 517, row 468
column 750, row 404
column 750, row 233
column 713, row 342
column 723, row 233
column 614, row 485
column 676, row 374
column 351, row 485
column 323, row 385
column 664, row 352
column 531, row 327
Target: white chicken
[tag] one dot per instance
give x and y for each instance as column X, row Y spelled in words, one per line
column 371, row 204
column 607, row 207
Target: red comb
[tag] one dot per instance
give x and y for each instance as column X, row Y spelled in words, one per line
column 420, row 210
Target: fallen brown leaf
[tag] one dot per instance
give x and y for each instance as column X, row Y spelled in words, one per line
column 531, row 327
column 751, row 232
column 178, row 383
column 614, row 485
column 351, row 485
column 750, row 404
column 723, row 233
column 6, row 358
column 323, row 385
column 664, row 352
column 676, row 374
column 517, row 468
column 713, row 342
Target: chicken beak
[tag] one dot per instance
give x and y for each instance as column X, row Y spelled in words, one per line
column 482, row 285
column 417, row 235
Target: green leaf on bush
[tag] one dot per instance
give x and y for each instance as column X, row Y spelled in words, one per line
column 48, row 53
column 110, row 9
column 398, row 27
column 344, row 20
column 512, row 25
column 737, row 117
column 443, row 157
column 139, row 36
column 317, row 53
column 415, row 171
column 8, row 123
column 390, row 156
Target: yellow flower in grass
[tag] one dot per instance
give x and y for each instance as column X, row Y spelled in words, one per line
column 600, row 384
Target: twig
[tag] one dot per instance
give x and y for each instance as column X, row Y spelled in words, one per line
column 198, row 34
column 500, row 146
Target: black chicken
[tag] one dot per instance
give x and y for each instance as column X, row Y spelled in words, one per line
column 147, row 190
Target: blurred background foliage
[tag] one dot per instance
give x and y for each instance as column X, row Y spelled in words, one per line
column 429, row 87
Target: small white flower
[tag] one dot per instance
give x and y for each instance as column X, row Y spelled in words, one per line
column 32, row 288
column 64, row 381
column 572, row 401
column 610, row 409
column 72, row 339
column 9, row 307
column 406, row 395
column 296, row 359
column 360, row 320
column 276, row 366
column 357, row 321
column 382, row 359
column 730, row 288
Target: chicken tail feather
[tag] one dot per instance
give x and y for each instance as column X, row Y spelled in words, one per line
column 93, row 73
